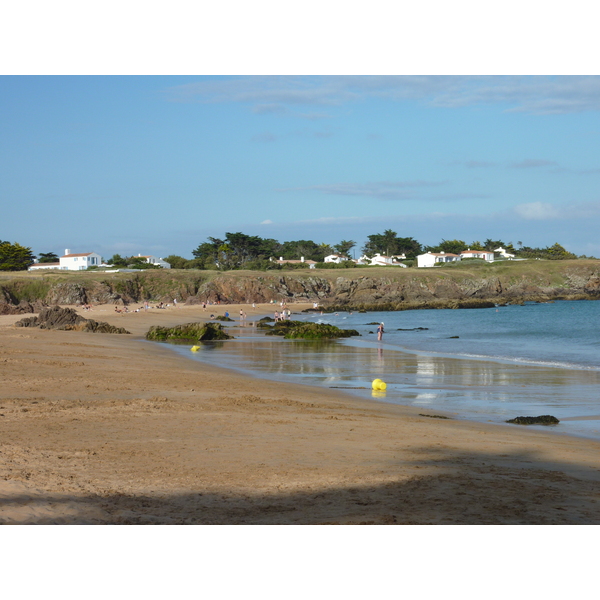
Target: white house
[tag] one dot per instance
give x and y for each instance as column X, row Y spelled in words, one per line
column 387, row 261
column 152, row 260
column 484, row 254
column 335, row 258
column 311, row 263
column 502, row 252
column 432, row 258
column 79, row 262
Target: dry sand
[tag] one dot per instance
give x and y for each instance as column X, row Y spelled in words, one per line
column 104, row 428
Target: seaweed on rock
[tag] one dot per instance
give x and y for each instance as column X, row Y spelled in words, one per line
column 293, row 330
column 541, row 420
column 193, row 332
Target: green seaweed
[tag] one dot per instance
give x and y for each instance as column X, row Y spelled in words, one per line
column 294, row 330
column 193, row 332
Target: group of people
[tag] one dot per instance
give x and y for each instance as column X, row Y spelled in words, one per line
column 284, row 315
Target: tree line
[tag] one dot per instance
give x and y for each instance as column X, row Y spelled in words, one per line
column 241, row 251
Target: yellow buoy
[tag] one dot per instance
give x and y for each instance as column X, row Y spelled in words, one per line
column 382, row 386
column 375, row 384
column 195, row 348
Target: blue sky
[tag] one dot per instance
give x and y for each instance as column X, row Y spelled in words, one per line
column 156, row 164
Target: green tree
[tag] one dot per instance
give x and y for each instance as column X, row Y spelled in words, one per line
column 208, row 251
column 493, row 244
column 452, row 246
column 408, row 246
column 557, row 252
column 296, row 249
column 177, row 262
column 48, row 257
column 381, row 243
column 389, row 244
column 117, row 261
column 344, row 247
column 14, row 257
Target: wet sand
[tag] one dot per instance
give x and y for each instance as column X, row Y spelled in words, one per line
column 104, row 428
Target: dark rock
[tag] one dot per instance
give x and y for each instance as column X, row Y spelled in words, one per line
column 21, row 308
column 292, row 330
column 434, row 416
column 413, row 329
column 67, row 319
column 541, row 420
column 192, row 332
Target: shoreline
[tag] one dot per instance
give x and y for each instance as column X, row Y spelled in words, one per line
column 98, row 428
column 250, row 363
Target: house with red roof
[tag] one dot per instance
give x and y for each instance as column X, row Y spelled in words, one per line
column 484, row 254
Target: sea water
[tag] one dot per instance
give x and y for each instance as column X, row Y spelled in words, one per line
column 488, row 364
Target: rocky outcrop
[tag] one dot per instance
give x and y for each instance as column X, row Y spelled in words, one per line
column 369, row 289
column 21, row 308
column 67, row 319
column 541, row 420
column 191, row 332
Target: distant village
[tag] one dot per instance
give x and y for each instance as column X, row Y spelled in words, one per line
column 84, row 260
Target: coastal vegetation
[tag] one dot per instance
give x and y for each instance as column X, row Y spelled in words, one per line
column 14, row 257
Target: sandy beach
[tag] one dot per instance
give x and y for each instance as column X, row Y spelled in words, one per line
column 106, row 428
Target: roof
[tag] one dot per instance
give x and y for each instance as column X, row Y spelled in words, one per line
column 477, row 252
column 82, row 254
column 440, row 254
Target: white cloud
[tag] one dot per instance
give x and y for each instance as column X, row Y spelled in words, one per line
column 537, row 211
column 266, row 222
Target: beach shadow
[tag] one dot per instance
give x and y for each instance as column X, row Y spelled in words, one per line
column 447, row 488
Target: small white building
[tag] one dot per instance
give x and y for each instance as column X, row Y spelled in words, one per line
column 152, row 260
column 335, row 258
column 432, row 258
column 79, row 262
column 40, row 266
column 502, row 252
column 486, row 255
column 387, row 261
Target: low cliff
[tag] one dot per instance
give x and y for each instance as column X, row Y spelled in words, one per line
column 373, row 288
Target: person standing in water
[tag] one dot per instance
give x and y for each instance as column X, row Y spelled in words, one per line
column 380, row 331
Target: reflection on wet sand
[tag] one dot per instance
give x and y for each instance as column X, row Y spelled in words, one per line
column 470, row 388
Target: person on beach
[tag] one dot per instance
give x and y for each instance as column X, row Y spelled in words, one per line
column 380, row 331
